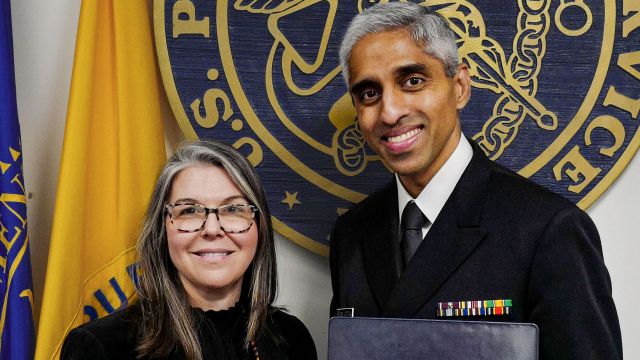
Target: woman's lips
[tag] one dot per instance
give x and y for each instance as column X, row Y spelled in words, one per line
column 212, row 255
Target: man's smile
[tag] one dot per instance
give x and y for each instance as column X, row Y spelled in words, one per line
column 404, row 136
column 400, row 140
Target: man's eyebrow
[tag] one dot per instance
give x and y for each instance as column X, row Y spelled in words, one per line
column 364, row 83
column 411, row 69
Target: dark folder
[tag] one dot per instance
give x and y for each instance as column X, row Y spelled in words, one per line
column 401, row 339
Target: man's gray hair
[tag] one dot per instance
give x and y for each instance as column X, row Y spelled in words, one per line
column 426, row 27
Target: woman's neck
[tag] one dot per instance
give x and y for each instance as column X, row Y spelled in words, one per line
column 213, row 299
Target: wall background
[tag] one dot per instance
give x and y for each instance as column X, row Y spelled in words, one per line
column 44, row 38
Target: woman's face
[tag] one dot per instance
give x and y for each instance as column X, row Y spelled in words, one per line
column 210, row 262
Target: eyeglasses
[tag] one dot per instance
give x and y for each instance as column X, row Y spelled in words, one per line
column 190, row 217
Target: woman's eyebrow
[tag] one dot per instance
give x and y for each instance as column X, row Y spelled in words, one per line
column 231, row 198
column 185, row 200
column 225, row 200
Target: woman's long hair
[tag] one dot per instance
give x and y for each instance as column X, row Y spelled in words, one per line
column 168, row 322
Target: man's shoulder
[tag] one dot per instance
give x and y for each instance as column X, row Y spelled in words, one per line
column 512, row 198
column 512, row 187
column 365, row 209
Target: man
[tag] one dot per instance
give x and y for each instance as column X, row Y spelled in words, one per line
column 483, row 232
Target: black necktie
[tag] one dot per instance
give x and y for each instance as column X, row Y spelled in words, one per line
column 411, row 224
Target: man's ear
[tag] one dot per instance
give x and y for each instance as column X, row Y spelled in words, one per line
column 462, row 82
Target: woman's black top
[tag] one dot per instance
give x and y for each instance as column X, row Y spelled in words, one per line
column 221, row 335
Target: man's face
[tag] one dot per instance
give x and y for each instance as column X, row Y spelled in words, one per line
column 407, row 107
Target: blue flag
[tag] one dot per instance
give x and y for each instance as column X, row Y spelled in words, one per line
column 16, row 290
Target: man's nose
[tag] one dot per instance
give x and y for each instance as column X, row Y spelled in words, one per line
column 393, row 108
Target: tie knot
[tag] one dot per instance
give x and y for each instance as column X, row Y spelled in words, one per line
column 412, row 217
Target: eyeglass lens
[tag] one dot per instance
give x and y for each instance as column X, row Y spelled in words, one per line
column 233, row 218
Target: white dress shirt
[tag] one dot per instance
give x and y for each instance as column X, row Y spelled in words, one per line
column 433, row 197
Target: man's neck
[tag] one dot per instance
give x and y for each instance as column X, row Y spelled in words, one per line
column 435, row 194
column 414, row 183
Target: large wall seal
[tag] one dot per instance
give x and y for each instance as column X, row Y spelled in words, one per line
column 556, row 94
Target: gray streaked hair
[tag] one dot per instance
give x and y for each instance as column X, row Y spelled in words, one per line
column 167, row 320
column 426, row 27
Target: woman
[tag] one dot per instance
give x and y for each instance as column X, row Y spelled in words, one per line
column 208, row 278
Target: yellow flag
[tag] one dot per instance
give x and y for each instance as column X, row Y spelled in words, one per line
column 113, row 149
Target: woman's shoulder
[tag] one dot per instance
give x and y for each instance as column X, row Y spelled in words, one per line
column 283, row 319
column 295, row 334
column 117, row 321
column 110, row 337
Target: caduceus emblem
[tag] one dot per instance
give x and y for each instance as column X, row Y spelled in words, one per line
column 513, row 79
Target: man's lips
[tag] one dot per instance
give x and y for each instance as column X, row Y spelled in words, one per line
column 403, row 136
column 400, row 140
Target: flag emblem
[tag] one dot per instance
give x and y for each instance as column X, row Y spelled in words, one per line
column 17, row 334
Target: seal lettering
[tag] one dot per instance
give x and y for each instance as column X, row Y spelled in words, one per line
column 632, row 22
column 613, row 126
column 632, row 106
column 212, row 113
column 189, row 25
column 581, row 170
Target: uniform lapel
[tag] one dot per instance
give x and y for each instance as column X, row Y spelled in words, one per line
column 380, row 243
column 452, row 238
